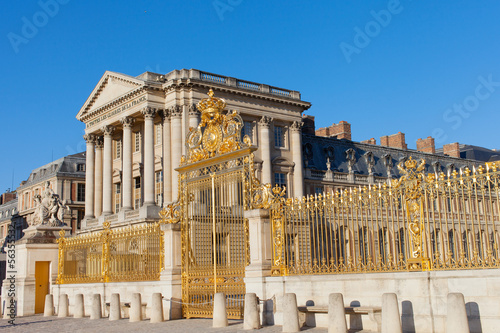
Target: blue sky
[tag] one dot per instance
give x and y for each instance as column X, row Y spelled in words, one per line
column 420, row 67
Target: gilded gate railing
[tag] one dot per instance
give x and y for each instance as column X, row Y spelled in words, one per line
column 417, row 222
column 132, row 253
column 215, row 182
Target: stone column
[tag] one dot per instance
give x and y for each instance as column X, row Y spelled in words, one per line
column 149, row 156
column 265, row 148
column 167, row 159
column 298, row 183
column 89, row 176
column 127, row 189
column 98, row 177
column 193, row 116
column 176, row 144
column 107, row 172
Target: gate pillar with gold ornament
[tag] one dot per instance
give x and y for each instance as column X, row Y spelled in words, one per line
column 171, row 273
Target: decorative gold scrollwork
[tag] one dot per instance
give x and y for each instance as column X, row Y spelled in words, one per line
column 411, row 182
column 171, row 213
column 217, row 134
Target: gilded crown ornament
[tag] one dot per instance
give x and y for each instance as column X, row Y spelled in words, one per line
column 217, row 133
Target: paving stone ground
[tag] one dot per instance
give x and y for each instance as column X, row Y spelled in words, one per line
column 39, row 324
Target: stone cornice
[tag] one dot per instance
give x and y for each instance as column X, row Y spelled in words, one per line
column 192, row 83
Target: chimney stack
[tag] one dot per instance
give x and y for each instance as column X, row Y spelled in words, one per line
column 371, row 141
column 309, row 125
column 342, row 130
column 395, row 141
column 452, row 149
column 426, row 145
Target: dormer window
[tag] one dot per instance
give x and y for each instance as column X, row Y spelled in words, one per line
column 80, row 167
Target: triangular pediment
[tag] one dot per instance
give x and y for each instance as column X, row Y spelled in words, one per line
column 111, row 86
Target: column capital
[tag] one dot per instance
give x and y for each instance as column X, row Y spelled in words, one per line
column 148, row 112
column 265, row 121
column 165, row 114
column 193, row 110
column 296, row 126
column 99, row 142
column 175, row 111
column 90, row 138
column 108, row 130
column 127, row 121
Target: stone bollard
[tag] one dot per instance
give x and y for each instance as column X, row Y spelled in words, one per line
column 336, row 314
column 391, row 320
column 49, row 306
column 220, row 314
column 156, row 308
column 251, row 313
column 63, row 306
column 290, row 313
column 135, row 312
column 79, row 307
column 115, row 311
column 456, row 318
column 96, row 310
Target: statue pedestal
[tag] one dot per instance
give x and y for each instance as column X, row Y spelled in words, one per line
column 34, row 270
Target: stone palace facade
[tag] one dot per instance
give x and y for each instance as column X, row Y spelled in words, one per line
column 136, row 129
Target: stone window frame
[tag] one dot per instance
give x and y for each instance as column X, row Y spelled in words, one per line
column 284, row 136
column 80, row 192
column 137, row 141
column 283, row 165
column 158, row 134
column 159, row 187
column 117, row 192
column 117, row 149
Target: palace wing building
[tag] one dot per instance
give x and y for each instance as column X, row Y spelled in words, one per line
column 136, row 129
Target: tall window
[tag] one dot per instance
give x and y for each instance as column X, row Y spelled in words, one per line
column 80, row 192
column 157, row 134
column 80, row 214
column 118, row 149
column 279, row 137
column 137, row 193
column 117, row 196
column 137, row 138
column 247, row 130
column 159, row 188
column 280, row 179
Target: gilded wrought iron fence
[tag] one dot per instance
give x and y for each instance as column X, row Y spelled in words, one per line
column 417, row 222
column 132, row 253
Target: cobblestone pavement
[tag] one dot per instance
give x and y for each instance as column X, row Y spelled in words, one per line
column 38, row 324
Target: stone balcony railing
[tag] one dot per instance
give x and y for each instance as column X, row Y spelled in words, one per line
column 232, row 82
column 333, row 176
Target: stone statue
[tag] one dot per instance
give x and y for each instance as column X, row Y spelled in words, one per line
column 49, row 209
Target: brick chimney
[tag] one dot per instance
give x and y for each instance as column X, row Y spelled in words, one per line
column 395, row 141
column 6, row 197
column 426, row 145
column 452, row 149
column 309, row 125
column 342, row 130
column 371, row 141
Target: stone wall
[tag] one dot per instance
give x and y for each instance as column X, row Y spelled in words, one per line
column 421, row 296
